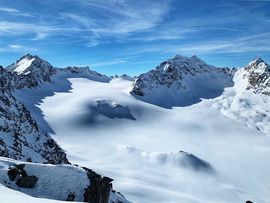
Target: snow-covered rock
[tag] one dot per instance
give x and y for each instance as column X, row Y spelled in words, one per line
column 180, row 159
column 181, row 81
column 59, row 182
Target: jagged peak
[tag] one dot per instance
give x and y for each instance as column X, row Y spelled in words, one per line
column 27, row 62
column 258, row 66
column 256, row 62
column 181, row 58
column 183, row 62
column 29, row 57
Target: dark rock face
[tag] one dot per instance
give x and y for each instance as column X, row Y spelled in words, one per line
column 27, row 181
column 13, row 173
column 99, row 189
column 19, row 131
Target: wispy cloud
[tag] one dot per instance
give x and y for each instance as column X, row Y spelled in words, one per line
column 15, row 46
column 109, row 63
column 14, row 11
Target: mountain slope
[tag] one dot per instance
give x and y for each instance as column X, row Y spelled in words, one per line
column 181, row 81
column 248, row 101
column 20, row 136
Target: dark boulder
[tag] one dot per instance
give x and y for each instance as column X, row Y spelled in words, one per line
column 27, row 181
column 71, row 197
column 12, row 173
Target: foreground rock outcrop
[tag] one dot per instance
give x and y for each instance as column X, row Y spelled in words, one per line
column 62, row 182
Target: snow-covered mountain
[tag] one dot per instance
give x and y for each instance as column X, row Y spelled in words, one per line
column 24, row 138
column 181, row 81
column 257, row 74
column 248, row 101
column 214, row 149
column 20, row 137
column 30, row 71
column 124, row 76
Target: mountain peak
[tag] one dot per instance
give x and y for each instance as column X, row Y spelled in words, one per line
column 256, row 61
column 179, row 56
column 258, row 66
column 36, row 69
column 184, row 59
column 27, row 56
column 27, row 63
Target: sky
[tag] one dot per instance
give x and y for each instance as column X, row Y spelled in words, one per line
column 133, row 36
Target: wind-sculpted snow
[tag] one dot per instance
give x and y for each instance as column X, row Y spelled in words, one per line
column 179, row 159
column 181, row 81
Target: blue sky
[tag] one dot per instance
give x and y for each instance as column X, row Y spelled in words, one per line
column 132, row 36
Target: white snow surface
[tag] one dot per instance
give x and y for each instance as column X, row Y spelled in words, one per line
column 239, row 155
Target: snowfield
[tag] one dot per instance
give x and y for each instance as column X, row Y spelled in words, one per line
column 152, row 171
